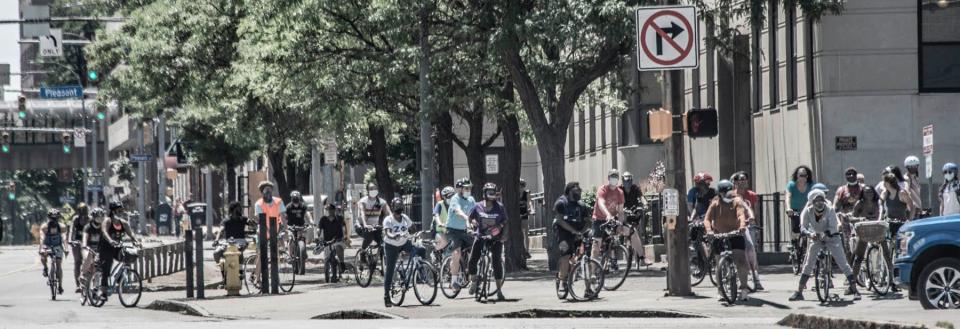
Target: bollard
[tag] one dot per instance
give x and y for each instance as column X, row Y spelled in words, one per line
column 263, row 264
column 776, row 223
column 188, row 259
column 198, row 239
column 274, row 266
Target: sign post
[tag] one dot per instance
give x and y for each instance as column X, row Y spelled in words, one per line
column 928, row 154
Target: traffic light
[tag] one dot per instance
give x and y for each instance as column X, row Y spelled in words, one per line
column 22, row 106
column 660, row 124
column 67, row 140
column 101, row 113
column 702, row 123
column 5, row 142
column 93, row 77
column 12, row 191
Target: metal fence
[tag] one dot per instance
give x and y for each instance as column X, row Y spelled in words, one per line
column 161, row 260
column 538, row 223
column 776, row 229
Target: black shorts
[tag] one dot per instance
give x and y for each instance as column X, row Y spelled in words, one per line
column 736, row 243
column 598, row 231
column 795, row 223
column 567, row 243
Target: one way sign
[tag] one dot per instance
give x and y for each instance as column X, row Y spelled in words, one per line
column 667, row 38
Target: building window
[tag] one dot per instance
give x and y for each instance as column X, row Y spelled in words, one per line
column 571, row 141
column 773, row 66
column 791, row 52
column 756, row 73
column 939, row 46
column 583, row 132
column 593, row 124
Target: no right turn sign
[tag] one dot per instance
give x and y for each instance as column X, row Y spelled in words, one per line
column 667, row 38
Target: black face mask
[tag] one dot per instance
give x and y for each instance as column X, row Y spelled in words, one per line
column 575, row 195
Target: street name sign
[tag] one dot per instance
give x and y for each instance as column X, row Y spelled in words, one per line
column 667, row 38
column 61, row 92
column 141, row 157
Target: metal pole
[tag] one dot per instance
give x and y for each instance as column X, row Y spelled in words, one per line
column 86, row 169
column 199, row 250
column 315, row 162
column 427, row 171
column 208, row 197
column 141, row 180
column 274, row 269
column 96, row 168
column 188, row 257
column 678, row 273
column 161, row 157
column 106, row 151
column 263, row 250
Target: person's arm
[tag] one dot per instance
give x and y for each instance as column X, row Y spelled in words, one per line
column 602, row 202
column 63, row 239
column 127, row 229
column 708, row 218
column 85, row 239
column 788, row 196
column 457, row 209
column 805, row 223
column 883, row 205
column 691, row 201
column 748, row 211
column 838, row 197
column 904, row 195
column 743, row 216
column 104, row 234
column 70, row 232
column 385, row 210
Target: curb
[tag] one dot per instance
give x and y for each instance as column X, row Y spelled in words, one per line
column 212, row 285
column 808, row 321
column 178, row 307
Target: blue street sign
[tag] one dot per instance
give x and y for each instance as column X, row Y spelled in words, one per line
column 141, row 157
column 61, row 92
column 95, row 188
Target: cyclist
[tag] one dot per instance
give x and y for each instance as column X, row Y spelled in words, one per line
column 234, row 227
column 297, row 215
column 373, row 209
column 950, row 191
column 844, row 201
column 868, row 208
column 901, row 181
column 490, row 218
column 457, row 237
column 79, row 221
column 800, row 184
column 113, row 229
column 91, row 237
column 818, row 222
column 700, row 195
column 895, row 203
column 728, row 213
column 572, row 223
column 608, row 207
column 912, row 164
column 441, row 212
column 526, row 208
column 633, row 199
column 396, row 237
column 270, row 207
column 741, row 182
column 54, row 243
column 331, row 227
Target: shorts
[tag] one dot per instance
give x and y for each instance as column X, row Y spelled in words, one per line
column 736, row 243
column 55, row 251
column 598, row 231
column 795, row 223
column 567, row 243
column 458, row 239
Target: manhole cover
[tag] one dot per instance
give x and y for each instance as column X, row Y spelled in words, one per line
column 541, row 313
column 355, row 315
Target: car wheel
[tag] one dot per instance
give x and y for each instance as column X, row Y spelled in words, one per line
column 939, row 284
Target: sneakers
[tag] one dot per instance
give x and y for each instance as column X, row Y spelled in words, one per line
column 44, row 272
column 743, row 294
column 796, row 296
column 643, row 262
column 386, row 302
column 757, row 286
column 473, row 287
column 60, row 290
column 500, row 296
column 853, row 291
column 78, row 290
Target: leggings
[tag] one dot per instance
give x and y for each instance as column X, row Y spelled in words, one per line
column 496, row 255
column 391, row 255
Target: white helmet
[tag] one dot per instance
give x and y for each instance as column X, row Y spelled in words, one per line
column 816, row 193
column 911, row 161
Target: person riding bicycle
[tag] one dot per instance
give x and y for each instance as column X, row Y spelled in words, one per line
column 457, row 237
column 396, row 228
column 868, row 208
column 912, row 165
column 741, row 182
column 700, row 196
column 113, row 229
column 728, row 213
column 819, row 222
column 609, row 206
column 331, row 229
column 234, row 227
column 441, row 212
column 490, row 219
column 800, row 184
column 373, row 209
column 950, row 191
column 895, row 203
column 572, row 223
column 92, row 234
column 269, row 208
column 297, row 215
column 633, row 199
column 54, row 243
column 79, row 221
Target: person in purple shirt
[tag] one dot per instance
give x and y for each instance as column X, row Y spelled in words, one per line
column 489, row 218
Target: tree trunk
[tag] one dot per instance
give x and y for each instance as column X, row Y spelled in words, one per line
column 276, row 157
column 444, row 146
column 231, row 193
column 303, row 177
column 378, row 147
column 510, row 168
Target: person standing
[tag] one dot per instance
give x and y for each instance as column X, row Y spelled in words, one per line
column 526, row 209
column 572, row 222
column 950, row 191
column 457, row 237
column 819, row 223
column 271, row 207
column 633, row 200
column 741, row 183
column 396, row 228
column 912, row 164
column 727, row 214
column 79, row 221
column 331, row 228
column 372, row 209
column 490, row 219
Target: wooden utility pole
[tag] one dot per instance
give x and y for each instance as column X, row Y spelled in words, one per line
column 427, row 158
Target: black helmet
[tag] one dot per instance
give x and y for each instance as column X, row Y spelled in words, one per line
column 396, row 205
column 296, row 196
column 115, row 205
column 724, row 186
column 97, row 212
column 489, row 188
column 82, row 209
column 53, row 213
column 464, row 182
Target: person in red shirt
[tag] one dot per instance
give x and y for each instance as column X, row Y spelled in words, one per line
column 741, row 182
column 609, row 206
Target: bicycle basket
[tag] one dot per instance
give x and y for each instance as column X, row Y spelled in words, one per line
column 130, row 255
column 871, row 231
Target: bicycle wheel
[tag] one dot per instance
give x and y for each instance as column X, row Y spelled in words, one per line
column 616, row 267
column 878, row 272
column 425, row 280
column 446, row 280
column 363, row 268
column 302, row 257
column 94, row 288
column 491, row 289
column 483, row 279
column 584, row 281
column 251, row 278
column 129, row 287
column 288, row 274
column 711, row 270
column 398, row 289
column 697, row 269
column 822, row 279
column 52, row 279
column 726, row 278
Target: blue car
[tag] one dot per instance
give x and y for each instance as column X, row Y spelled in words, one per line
column 927, row 262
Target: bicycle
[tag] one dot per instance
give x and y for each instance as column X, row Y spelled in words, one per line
column 615, row 258
column 637, row 223
column 123, row 279
column 292, row 256
column 585, row 279
column 333, row 266
column 422, row 274
column 485, row 270
column 797, row 253
column 54, row 256
column 446, row 277
column 823, row 272
column 877, row 234
column 701, row 262
column 366, row 261
column 726, row 269
column 85, row 296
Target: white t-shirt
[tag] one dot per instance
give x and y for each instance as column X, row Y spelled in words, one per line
column 392, row 226
column 371, row 209
column 951, row 205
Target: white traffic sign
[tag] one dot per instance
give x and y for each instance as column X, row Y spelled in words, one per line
column 79, row 138
column 671, row 202
column 928, row 140
column 330, row 153
column 51, row 45
column 492, row 164
column 667, row 38
column 929, row 166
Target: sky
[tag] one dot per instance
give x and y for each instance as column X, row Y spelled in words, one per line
column 9, row 48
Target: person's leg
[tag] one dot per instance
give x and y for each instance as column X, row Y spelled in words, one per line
column 390, row 257
column 859, row 252
column 526, row 237
column 636, row 242
column 743, row 271
column 496, row 252
column 887, row 258
column 474, row 260
column 106, row 264
column 43, row 259
column 77, row 251
column 454, row 248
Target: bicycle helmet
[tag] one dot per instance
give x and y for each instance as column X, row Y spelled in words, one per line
column 264, row 184
column 97, row 212
column 53, row 213
column 723, row 187
column 296, row 196
column 703, row 177
column 950, row 166
column 82, row 209
column 396, row 205
column 820, row 186
column 489, row 191
column 627, row 175
column 464, row 182
column 911, row 161
column 740, row 175
column 115, row 205
column 448, row 192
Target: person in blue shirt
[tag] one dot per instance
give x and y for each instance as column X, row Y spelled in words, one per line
column 441, row 212
column 490, row 219
column 700, row 196
column 800, row 184
column 572, row 222
column 461, row 205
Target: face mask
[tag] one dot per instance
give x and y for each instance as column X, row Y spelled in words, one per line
column 819, row 205
column 118, row 226
column 374, row 193
column 466, row 194
column 628, row 183
column 575, row 195
column 268, row 195
column 727, row 200
column 612, row 181
column 490, row 197
column 851, row 180
column 949, row 176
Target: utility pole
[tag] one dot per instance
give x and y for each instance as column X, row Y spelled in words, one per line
column 141, row 181
column 162, row 157
column 426, row 129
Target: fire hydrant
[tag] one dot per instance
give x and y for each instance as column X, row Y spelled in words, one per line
column 231, row 270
